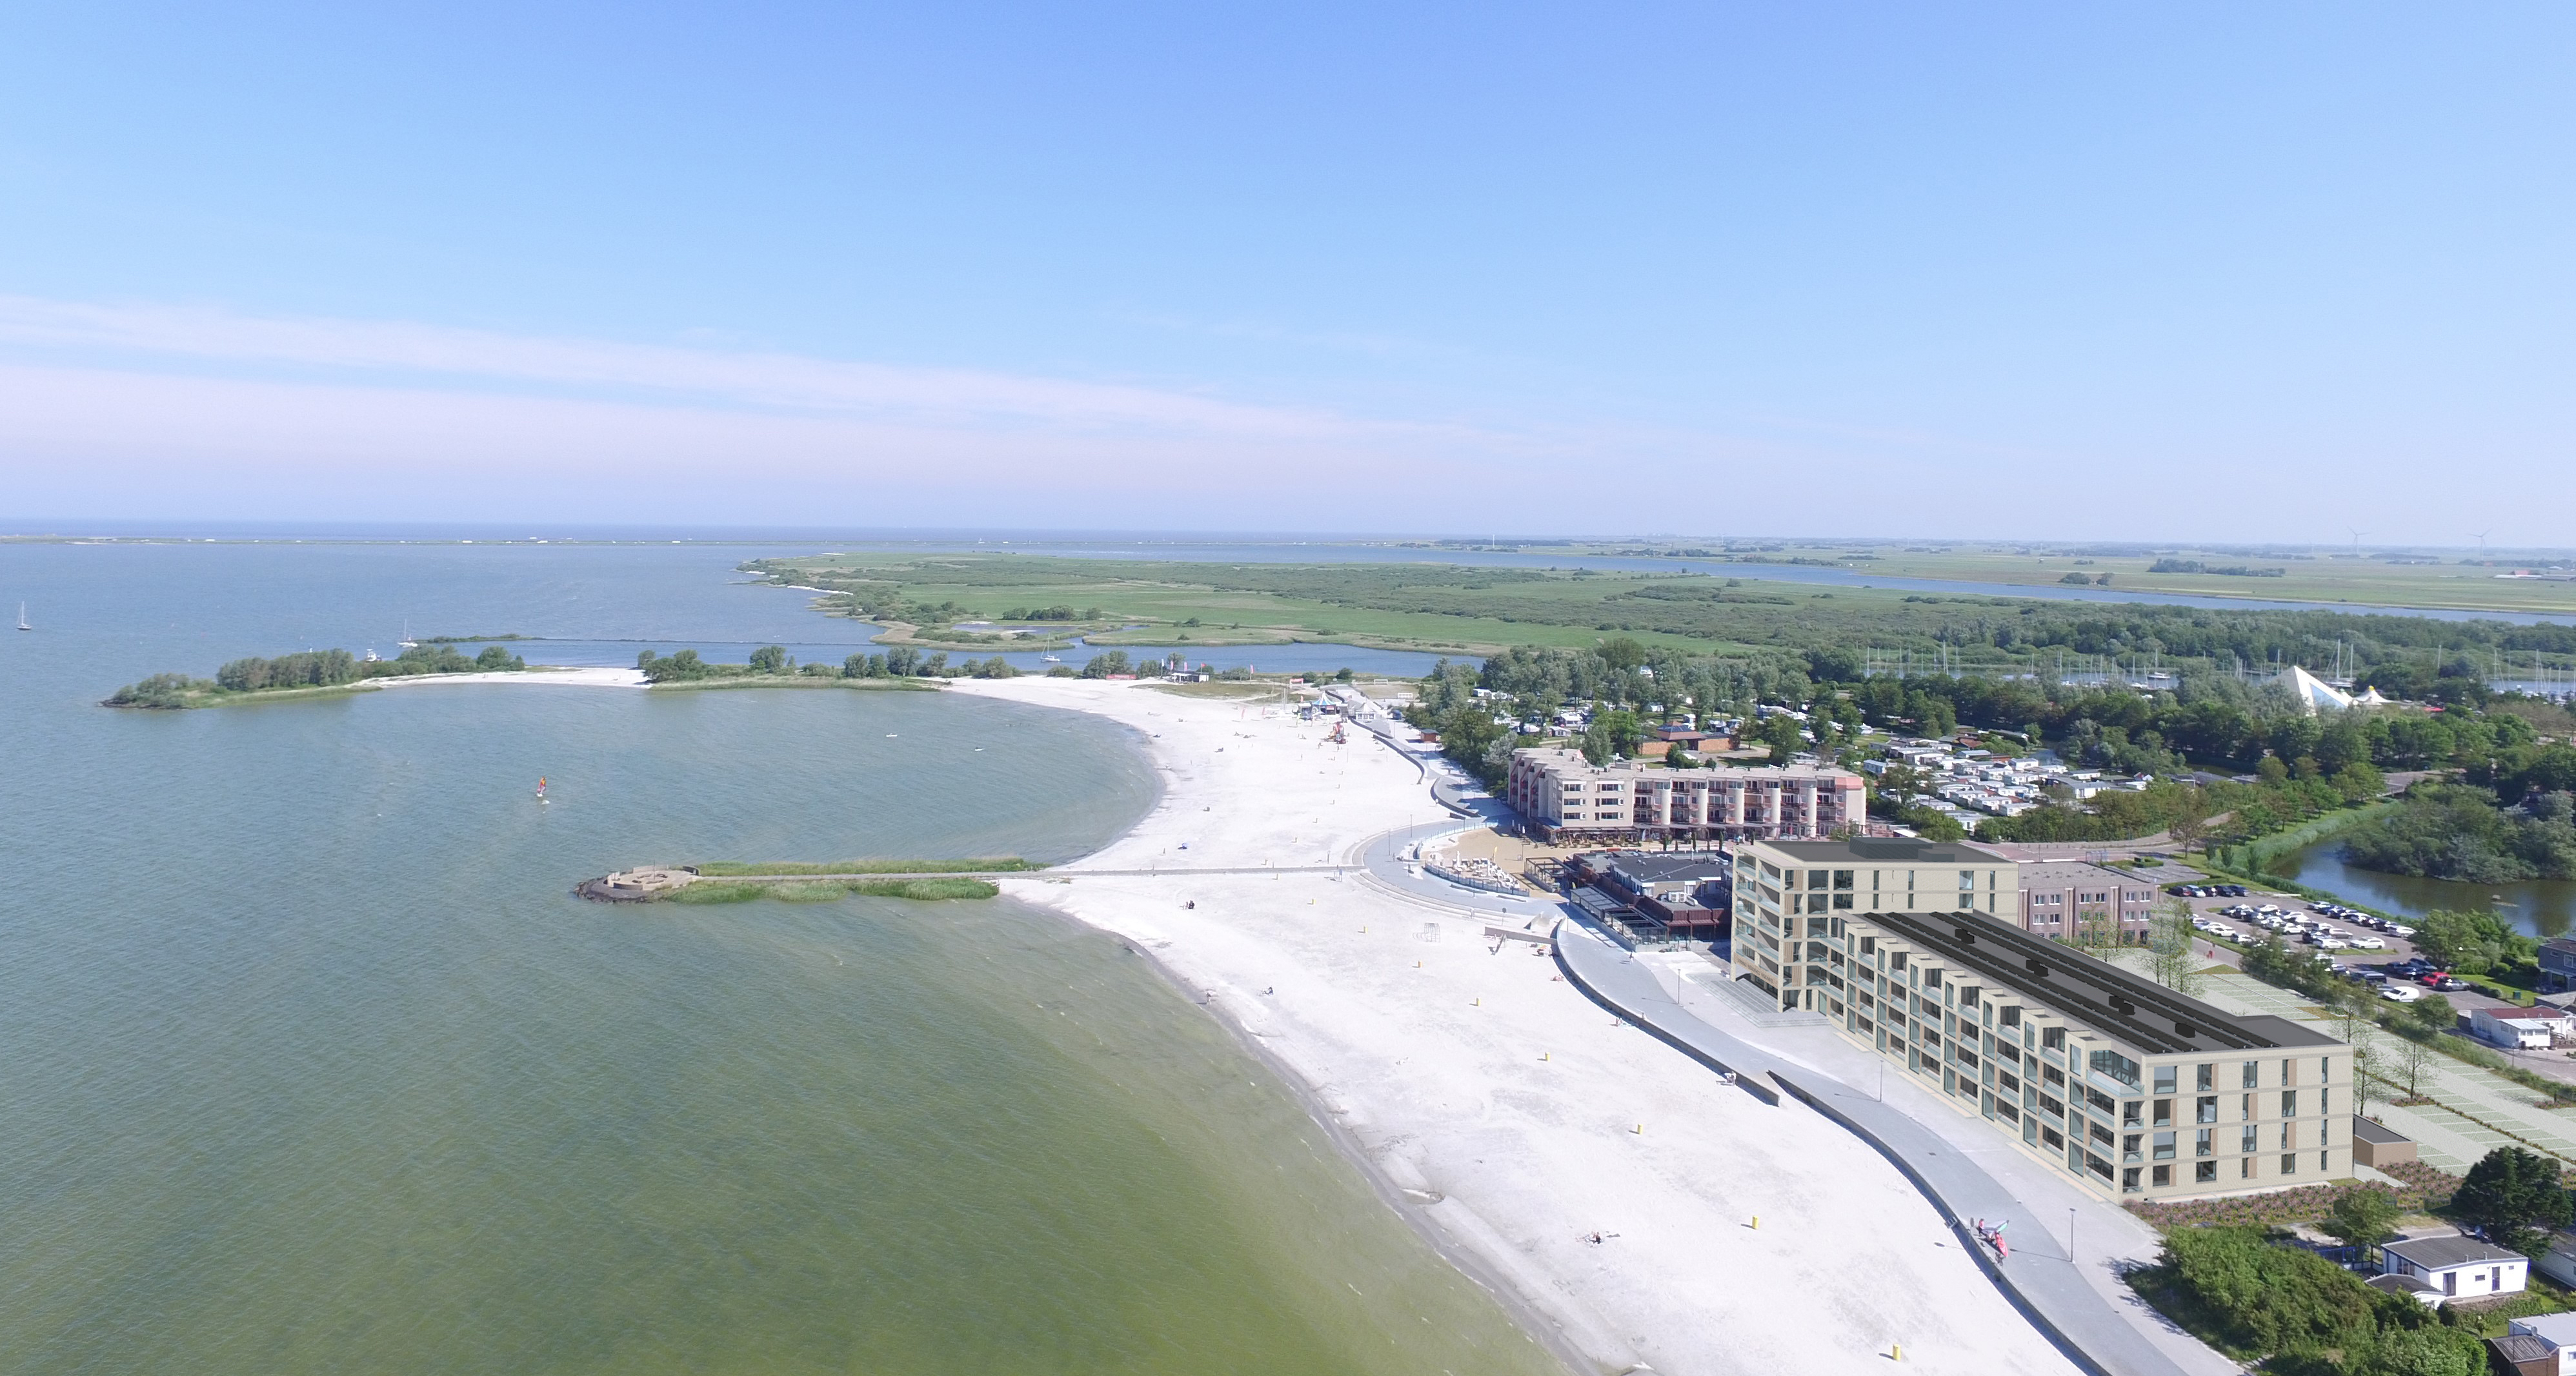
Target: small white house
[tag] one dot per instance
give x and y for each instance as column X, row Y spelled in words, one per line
column 2527, row 1029
column 2462, row 1268
column 2558, row 1331
column 2559, row 1262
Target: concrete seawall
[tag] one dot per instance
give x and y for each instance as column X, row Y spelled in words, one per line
column 2039, row 1279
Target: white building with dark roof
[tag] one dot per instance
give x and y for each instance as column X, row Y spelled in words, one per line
column 2462, row 1268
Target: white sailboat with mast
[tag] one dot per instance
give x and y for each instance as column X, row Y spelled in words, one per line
column 22, row 618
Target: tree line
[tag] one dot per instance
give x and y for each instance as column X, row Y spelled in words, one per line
column 309, row 669
column 773, row 661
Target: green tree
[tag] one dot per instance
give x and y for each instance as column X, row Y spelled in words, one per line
column 2359, row 782
column 2470, row 942
column 2362, row 1218
column 674, row 668
column 1625, row 731
column 769, row 659
column 2433, row 1013
column 2095, row 929
column 2413, row 1058
column 1622, row 654
column 2510, row 1195
column 2431, row 1349
column 2188, row 822
column 1780, row 732
column 2265, row 1298
column 2169, row 958
column 2356, row 1014
column 1595, row 744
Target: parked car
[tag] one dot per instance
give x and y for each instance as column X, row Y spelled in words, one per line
column 2447, row 983
column 2401, row 993
column 2368, row 943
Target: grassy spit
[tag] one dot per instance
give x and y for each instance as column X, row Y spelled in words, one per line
column 830, row 890
column 1003, row 864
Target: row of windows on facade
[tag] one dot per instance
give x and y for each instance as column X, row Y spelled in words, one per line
column 2139, row 1146
column 1843, row 880
column 2053, row 1039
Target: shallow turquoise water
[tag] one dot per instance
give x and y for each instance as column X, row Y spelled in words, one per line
column 308, row 1061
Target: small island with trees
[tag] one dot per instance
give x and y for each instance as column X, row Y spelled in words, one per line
column 307, row 673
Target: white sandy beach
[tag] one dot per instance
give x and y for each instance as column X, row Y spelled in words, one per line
column 1506, row 1106
column 556, row 675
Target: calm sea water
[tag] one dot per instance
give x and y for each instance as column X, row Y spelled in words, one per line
column 308, row 1062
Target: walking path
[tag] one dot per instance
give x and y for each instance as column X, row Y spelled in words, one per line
column 2039, row 1277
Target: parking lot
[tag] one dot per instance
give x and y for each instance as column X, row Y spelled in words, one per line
column 2307, row 927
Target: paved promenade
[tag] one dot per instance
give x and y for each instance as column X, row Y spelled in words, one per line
column 2039, row 1278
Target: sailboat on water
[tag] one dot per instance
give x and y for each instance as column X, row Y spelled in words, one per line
column 407, row 642
column 22, row 618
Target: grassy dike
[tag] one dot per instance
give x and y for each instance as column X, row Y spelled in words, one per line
column 734, row 881
column 830, row 890
column 2250, row 857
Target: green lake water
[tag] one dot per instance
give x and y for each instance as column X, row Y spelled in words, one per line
column 310, row 1063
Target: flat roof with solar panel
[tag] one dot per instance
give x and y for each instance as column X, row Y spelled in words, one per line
column 2094, row 992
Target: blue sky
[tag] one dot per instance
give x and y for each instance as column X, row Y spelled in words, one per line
column 2087, row 272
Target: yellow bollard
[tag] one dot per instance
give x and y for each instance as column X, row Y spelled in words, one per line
column 1542, row 1055
column 1639, row 1130
column 1896, row 1351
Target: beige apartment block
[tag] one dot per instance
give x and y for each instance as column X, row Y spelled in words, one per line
column 1566, row 799
column 1914, row 950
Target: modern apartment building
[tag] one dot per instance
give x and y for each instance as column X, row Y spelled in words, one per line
column 2059, row 896
column 1563, row 798
column 1781, row 887
column 2129, row 1087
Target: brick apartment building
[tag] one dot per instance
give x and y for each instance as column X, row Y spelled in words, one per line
column 1563, row 798
column 2057, row 896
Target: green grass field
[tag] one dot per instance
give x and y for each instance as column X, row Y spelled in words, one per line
column 1470, row 610
column 1433, row 607
column 2360, row 578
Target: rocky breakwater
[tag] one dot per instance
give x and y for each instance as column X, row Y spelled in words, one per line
column 644, row 884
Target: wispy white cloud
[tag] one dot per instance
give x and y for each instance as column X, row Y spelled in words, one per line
column 740, row 378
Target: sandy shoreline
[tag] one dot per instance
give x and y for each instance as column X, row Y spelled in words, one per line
column 553, row 675
column 1502, row 1113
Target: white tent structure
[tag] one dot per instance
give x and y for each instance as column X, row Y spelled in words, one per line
column 2313, row 693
